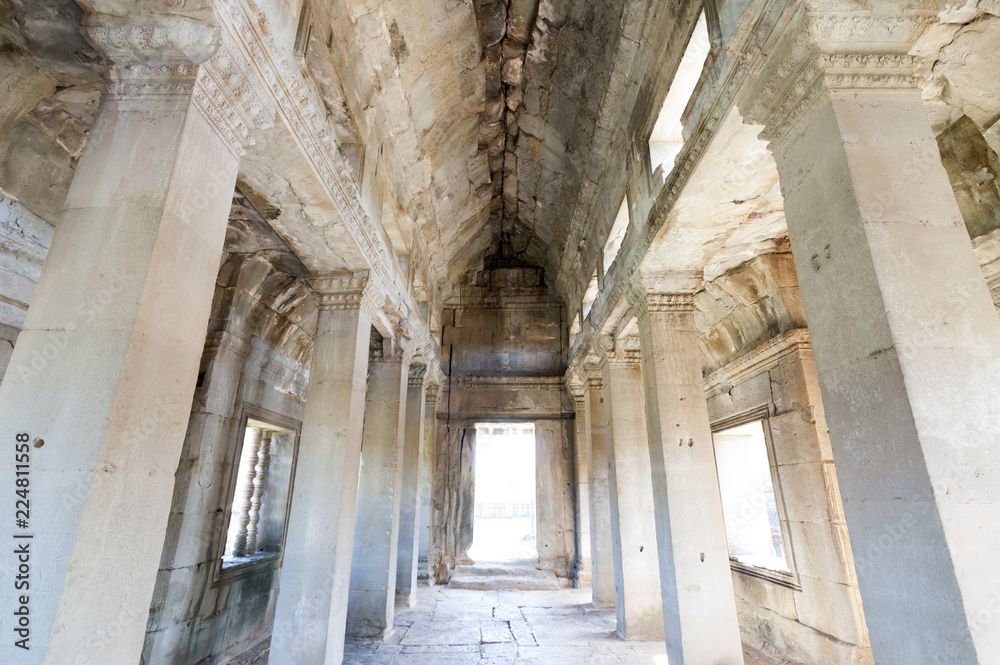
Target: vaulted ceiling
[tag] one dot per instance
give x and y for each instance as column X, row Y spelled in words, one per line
column 472, row 121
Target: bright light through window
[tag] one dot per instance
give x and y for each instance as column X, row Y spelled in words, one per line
column 667, row 139
column 617, row 236
column 749, row 503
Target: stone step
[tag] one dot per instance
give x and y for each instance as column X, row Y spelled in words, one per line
column 490, row 576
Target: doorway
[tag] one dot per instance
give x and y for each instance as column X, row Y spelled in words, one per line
column 504, row 527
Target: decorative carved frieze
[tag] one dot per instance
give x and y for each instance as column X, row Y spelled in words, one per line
column 231, row 98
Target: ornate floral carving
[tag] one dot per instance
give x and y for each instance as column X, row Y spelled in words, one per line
column 130, row 41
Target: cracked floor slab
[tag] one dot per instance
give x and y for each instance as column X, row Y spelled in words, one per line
column 507, row 627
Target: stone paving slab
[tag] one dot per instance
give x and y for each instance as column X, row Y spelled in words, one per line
column 508, row 627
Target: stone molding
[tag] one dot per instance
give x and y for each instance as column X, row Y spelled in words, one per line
column 511, row 382
column 763, row 358
column 231, row 98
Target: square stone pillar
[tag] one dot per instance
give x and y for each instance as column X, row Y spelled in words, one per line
column 427, row 483
column 602, row 560
column 311, row 612
column 412, row 470
column 638, row 603
column 699, row 606
column 99, row 386
column 583, row 564
column 376, row 539
column 905, row 335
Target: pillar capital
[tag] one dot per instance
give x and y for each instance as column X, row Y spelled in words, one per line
column 594, row 373
column 416, row 377
column 663, row 302
column 150, row 41
column 339, row 290
column 833, row 50
column 625, row 350
column 178, row 58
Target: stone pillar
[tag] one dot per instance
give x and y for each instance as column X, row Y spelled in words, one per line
column 638, row 603
column 311, row 612
column 555, row 515
column 602, row 560
column 410, row 504
column 582, row 475
column 102, row 377
column 905, row 335
column 427, row 483
column 373, row 567
column 699, row 607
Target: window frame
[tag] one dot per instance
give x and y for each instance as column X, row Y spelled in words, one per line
column 762, row 414
column 269, row 561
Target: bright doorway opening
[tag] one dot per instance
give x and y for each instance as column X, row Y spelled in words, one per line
column 504, row 528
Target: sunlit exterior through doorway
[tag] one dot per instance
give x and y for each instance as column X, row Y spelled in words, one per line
column 504, row 528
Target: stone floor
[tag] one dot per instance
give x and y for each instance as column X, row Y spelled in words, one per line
column 507, row 627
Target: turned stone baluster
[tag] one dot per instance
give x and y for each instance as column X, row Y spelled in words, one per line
column 260, row 476
column 253, row 443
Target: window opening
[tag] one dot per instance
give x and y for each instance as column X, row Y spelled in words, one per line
column 504, row 528
column 261, row 493
column 617, row 235
column 667, row 138
column 590, row 295
column 751, row 500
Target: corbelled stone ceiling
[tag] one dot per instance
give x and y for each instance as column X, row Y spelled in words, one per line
column 478, row 115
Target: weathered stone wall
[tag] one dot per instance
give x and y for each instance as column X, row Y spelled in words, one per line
column 258, row 352
column 504, row 340
column 822, row 622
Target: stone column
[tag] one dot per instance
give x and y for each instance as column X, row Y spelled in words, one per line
column 638, row 603
column 102, row 377
column 427, row 483
column 699, row 606
column 905, row 335
column 582, row 475
column 602, row 560
column 412, row 469
column 311, row 612
column 373, row 567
